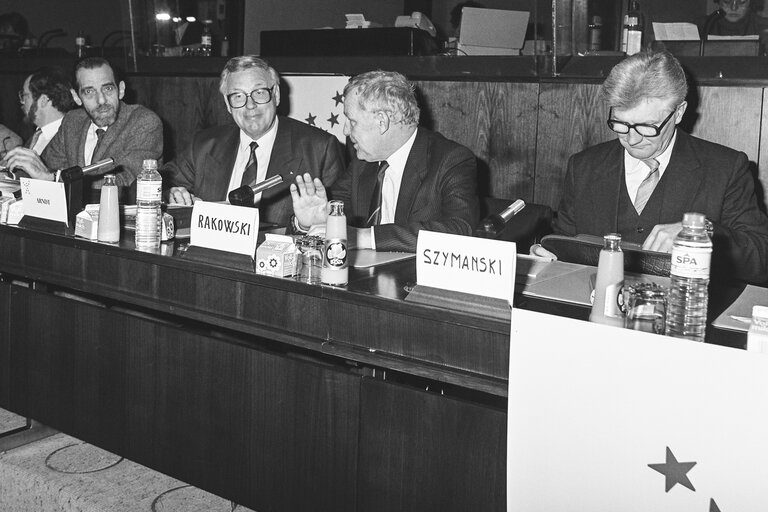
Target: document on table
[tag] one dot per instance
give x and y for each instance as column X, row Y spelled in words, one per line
column 676, row 32
column 738, row 316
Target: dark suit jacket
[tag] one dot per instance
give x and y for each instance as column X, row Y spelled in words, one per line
column 136, row 135
column 438, row 193
column 701, row 177
column 205, row 167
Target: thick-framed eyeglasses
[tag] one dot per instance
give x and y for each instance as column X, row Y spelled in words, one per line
column 646, row 130
column 259, row 96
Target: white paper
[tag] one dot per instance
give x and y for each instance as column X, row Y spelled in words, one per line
column 676, row 31
column 224, row 227
column 44, row 199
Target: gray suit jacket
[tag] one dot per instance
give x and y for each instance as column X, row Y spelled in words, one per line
column 701, row 177
column 136, row 135
column 438, row 193
column 205, row 167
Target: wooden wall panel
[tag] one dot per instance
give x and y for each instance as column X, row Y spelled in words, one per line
column 762, row 192
column 497, row 121
column 5, row 344
column 570, row 119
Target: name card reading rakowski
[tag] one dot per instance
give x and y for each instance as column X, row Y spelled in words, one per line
column 44, row 200
column 466, row 264
column 224, row 227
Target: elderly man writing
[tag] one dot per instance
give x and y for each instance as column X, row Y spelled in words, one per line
column 403, row 179
column 642, row 184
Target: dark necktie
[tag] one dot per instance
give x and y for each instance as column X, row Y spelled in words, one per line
column 646, row 187
column 99, row 138
column 251, row 170
column 374, row 216
column 35, row 138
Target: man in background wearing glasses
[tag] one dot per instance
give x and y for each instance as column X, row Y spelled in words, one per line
column 104, row 128
column 259, row 145
column 642, row 185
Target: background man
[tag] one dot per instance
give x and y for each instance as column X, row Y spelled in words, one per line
column 45, row 97
column 403, row 179
column 612, row 187
column 259, row 145
column 104, row 128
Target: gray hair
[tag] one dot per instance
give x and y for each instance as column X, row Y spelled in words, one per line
column 242, row 63
column 388, row 91
column 642, row 76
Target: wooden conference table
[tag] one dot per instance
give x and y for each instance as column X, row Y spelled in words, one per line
column 273, row 393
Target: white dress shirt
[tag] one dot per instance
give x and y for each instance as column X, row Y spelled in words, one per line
column 635, row 171
column 91, row 139
column 46, row 134
column 263, row 153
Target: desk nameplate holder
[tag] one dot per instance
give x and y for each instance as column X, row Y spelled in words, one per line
column 223, row 235
column 72, row 178
column 473, row 275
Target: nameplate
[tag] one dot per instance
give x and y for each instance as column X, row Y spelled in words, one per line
column 478, row 266
column 44, row 200
column 224, row 227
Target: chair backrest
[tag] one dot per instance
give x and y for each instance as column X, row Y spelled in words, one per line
column 585, row 250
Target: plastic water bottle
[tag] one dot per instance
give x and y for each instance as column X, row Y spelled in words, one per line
column 335, row 269
column 688, row 295
column 149, row 189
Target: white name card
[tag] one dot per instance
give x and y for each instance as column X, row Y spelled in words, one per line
column 466, row 264
column 224, row 227
column 44, row 199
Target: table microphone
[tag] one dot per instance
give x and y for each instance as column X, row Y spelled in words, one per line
column 493, row 224
column 246, row 195
column 76, row 172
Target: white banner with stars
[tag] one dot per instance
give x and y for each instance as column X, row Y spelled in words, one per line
column 318, row 101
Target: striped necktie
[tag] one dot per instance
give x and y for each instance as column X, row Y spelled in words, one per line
column 252, row 169
column 646, row 187
column 374, row 216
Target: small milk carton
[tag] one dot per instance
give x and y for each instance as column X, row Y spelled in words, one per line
column 276, row 256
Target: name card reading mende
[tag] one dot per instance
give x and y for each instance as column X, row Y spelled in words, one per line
column 44, row 199
column 224, row 227
column 466, row 264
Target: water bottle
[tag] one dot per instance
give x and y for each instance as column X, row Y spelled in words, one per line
column 335, row 270
column 109, row 214
column 80, row 46
column 606, row 307
column 206, row 40
column 149, row 189
column 689, row 273
column 493, row 224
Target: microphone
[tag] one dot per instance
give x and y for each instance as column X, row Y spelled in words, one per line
column 711, row 19
column 246, row 195
column 493, row 224
column 76, row 172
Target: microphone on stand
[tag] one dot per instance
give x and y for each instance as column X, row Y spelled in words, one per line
column 76, row 172
column 494, row 223
column 246, row 195
column 711, row 19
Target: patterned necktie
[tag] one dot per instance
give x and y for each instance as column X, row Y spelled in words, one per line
column 35, row 138
column 374, row 217
column 251, row 170
column 647, row 186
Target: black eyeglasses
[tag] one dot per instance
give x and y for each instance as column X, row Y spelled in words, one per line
column 646, row 130
column 259, row 96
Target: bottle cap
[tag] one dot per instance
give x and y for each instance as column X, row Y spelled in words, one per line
column 337, row 207
column 597, row 20
column 693, row 220
column 149, row 164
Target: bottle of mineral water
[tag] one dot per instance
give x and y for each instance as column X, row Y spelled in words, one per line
column 149, row 189
column 688, row 295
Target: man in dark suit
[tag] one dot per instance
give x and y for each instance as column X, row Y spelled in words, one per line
column 641, row 185
column 260, row 145
column 403, row 179
column 104, row 128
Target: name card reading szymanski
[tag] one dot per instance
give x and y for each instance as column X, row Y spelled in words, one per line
column 224, row 227
column 466, row 264
column 44, row 199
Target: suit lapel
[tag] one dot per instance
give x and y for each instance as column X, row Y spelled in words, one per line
column 102, row 150
column 607, row 187
column 413, row 175
column 282, row 159
column 365, row 185
column 221, row 160
column 679, row 183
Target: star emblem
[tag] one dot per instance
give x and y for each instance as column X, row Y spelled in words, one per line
column 674, row 472
column 713, row 506
column 339, row 98
column 311, row 120
column 334, row 120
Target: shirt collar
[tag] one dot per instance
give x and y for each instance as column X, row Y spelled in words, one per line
column 50, row 129
column 632, row 164
column 399, row 158
column 265, row 141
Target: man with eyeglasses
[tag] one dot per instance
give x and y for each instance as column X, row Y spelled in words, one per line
column 642, row 185
column 737, row 18
column 104, row 128
column 259, row 145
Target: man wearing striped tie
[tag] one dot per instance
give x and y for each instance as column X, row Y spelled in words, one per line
column 403, row 179
column 641, row 186
column 45, row 97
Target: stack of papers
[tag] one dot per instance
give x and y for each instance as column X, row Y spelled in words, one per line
column 359, row 21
